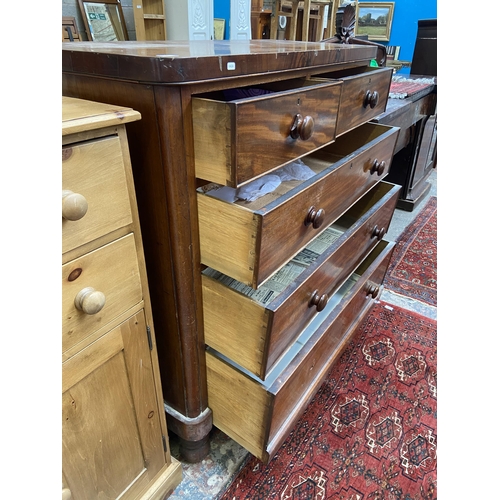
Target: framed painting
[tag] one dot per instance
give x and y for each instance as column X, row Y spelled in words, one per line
column 219, row 27
column 103, row 19
column 374, row 19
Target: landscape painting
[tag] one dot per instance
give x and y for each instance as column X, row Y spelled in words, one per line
column 374, row 19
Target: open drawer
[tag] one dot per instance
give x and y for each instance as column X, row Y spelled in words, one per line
column 364, row 95
column 259, row 415
column 255, row 327
column 243, row 133
column 249, row 241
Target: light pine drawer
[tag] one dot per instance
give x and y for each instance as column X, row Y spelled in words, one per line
column 112, row 271
column 93, row 174
column 269, row 319
column 364, row 96
column 236, row 140
column 251, row 241
column 260, row 415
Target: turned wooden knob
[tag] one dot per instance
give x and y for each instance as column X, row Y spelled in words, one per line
column 90, row 301
column 372, row 290
column 371, row 99
column 378, row 167
column 315, row 217
column 66, row 494
column 378, row 232
column 302, row 127
column 319, row 301
column 74, row 205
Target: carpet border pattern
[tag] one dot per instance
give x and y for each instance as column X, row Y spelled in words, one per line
column 411, row 275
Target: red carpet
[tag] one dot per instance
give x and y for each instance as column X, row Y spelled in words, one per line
column 401, row 88
column 413, row 268
column 370, row 432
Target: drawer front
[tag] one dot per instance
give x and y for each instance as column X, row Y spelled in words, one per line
column 238, row 140
column 93, row 173
column 304, row 376
column 113, row 271
column 250, row 246
column 259, row 417
column 363, row 97
column 271, row 325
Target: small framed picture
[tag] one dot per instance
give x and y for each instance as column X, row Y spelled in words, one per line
column 219, row 27
column 103, row 20
column 374, row 19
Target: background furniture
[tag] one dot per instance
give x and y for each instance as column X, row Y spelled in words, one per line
column 397, row 64
column 114, row 434
column 424, row 61
column 104, row 20
column 416, row 150
column 226, row 113
column 70, row 30
column 299, row 15
column 149, row 19
column 260, row 19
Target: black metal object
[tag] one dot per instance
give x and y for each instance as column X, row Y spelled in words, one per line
column 70, row 33
column 345, row 22
column 424, row 60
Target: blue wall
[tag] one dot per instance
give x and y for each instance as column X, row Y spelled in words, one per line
column 222, row 9
column 407, row 13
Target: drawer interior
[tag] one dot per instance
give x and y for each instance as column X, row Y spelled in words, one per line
column 292, row 270
column 230, row 194
column 299, row 343
column 312, row 327
column 347, row 144
column 272, row 288
column 376, row 252
column 354, row 72
column 253, row 91
column 320, row 162
column 362, row 206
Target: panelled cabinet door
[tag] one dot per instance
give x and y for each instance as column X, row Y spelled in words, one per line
column 201, row 19
column 240, row 25
column 110, row 415
column 190, row 19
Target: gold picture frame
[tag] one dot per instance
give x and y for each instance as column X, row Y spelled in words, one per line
column 374, row 19
column 103, row 20
column 219, row 28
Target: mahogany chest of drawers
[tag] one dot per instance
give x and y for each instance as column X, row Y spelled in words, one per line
column 114, row 434
column 253, row 299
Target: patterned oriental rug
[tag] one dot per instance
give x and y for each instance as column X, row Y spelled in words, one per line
column 413, row 268
column 370, row 431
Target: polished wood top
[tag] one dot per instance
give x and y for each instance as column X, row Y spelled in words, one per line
column 179, row 61
column 80, row 115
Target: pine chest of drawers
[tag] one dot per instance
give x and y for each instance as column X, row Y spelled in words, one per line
column 253, row 300
column 114, row 434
